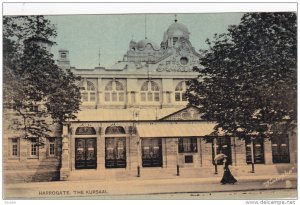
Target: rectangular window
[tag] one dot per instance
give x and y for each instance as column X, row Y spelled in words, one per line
column 51, row 147
column 258, row 150
column 280, row 149
column 15, row 147
column 121, row 97
column 143, row 97
column 33, row 149
column 187, row 144
column 92, row 96
column 84, row 96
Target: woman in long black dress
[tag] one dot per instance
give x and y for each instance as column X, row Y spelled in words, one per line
column 227, row 176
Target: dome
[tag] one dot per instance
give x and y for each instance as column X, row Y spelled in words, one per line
column 178, row 30
column 141, row 45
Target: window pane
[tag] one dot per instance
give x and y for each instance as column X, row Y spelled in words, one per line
column 51, row 149
column 177, row 96
column 150, row 96
column 187, row 144
column 108, row 86
column 121, row 97
column 179, row 87
column 92, row 96
column 33, row 149
column 84, row 96
column 109, row 148
column 184, row 97
column 119, row 86
column 90, row 86
column 15, row 147
column 143, row 97
column 114, row 96
column 115, row 152
column 145, row 86
column 156, row 97
column 107, row 97
column 154, row 86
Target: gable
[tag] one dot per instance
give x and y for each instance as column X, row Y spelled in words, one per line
column 187, row 113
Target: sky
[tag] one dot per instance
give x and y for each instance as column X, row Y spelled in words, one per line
column 84, row 35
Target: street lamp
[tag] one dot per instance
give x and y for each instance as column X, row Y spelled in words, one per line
column 252, row 154
column 138, row 159
column 177, row 157
column 216, row 161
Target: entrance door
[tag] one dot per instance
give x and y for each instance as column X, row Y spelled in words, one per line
column 115, row 152
column 151, row 153
column 85, row 153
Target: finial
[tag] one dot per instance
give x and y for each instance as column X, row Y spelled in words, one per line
column 145, row 26
column 175, row 15
column 99, row 54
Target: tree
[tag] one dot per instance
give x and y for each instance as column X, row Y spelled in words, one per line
column 248, row 80
column 41, row 93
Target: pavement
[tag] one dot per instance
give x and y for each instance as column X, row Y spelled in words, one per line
column 119, row 184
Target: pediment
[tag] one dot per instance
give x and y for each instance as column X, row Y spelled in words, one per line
column 187, row 113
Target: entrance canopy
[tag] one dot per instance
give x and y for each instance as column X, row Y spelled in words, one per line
column 175, row 130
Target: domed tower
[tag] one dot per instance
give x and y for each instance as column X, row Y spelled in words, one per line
column 175, row 33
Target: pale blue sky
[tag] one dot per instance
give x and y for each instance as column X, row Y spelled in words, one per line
column 83, row 35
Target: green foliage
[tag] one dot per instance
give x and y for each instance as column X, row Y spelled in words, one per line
column 41, row 93
column 248, row 82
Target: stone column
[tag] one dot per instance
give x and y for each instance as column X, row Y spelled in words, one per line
column 65, row 159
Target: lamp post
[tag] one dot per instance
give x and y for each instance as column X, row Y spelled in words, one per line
column 216, row 161
column 252, row 154
column 177, row 157
column 138, row 159
column 136, row 118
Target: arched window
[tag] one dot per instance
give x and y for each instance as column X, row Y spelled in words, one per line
column 85, row 131
column 180, row 91
column 150, row 92
column 88, row 92
column 114, row 91
column 114, row 130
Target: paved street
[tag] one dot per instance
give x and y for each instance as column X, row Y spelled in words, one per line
column 191, row 188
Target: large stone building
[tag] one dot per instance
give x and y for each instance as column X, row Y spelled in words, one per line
column 135, row 116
